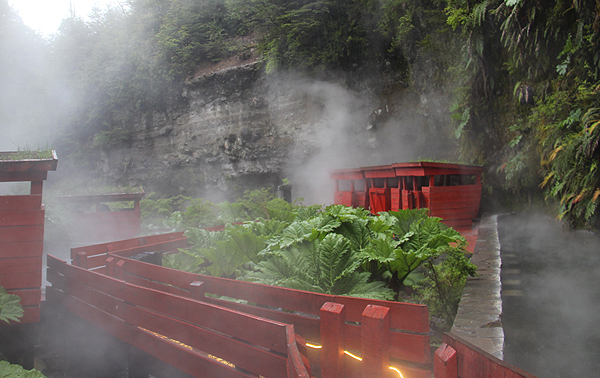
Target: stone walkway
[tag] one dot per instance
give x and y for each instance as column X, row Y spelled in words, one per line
column 478, row 320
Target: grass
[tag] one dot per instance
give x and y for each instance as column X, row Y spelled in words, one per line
column 27, row 154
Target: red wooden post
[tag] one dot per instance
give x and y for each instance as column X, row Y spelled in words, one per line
column 197, row 290
column 36, row 187
column 119, row 270
column 445, row 362
column 332, row 340
column 81, row 259
column 110, row 266
column 375, row 342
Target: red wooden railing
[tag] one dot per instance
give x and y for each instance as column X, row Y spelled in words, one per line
column 459, row 358
column 199, row 338
column 406, row 340
column 386, row 335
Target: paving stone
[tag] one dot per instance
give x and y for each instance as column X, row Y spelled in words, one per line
column 478, row 319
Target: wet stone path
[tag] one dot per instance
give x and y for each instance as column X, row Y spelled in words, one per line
column 550, row 297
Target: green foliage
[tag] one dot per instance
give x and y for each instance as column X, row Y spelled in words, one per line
column 10, row 307
column 8, row 370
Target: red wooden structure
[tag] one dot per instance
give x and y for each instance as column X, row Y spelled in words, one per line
column 383, row 333
column 22, row 231
column 92, row 220
column 190, row 321
column 450, row 191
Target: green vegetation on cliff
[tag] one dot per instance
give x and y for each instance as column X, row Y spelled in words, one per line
column 523, row 75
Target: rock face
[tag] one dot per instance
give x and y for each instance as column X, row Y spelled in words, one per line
column 242, row 129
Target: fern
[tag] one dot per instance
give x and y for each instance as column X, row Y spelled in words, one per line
column 10, row 307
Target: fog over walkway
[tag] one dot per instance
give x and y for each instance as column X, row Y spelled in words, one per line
column 550, row 296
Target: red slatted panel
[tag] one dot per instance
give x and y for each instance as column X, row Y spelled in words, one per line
column 237, row 352
column 21, row 234
column 20, row 265
column 475, row 363
column 403, row 346
column 114, row 315
column 21, row 218
column 29, row 297
column 21, row 249
column 23, row 176
column 25, row 202
column 246, row 327
column 342, row 198
column 31, row 280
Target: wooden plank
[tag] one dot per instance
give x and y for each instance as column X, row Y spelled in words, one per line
column 288, row 299
column 21, row 249
column 445, row 362
column 20, row 265
column 11, row 218
column 150, row 284
column 261, row 332
column 20, row 202
column 21, row 234
column 30, row 280
column 306, row 326
column 403, row 346
column 171, row 245
column 343, row 198
column 332, row 340
column 298, row 364
column 474, row 362
column 29, row 297
column 404, row 316
column 375, row 342
column 185, row 359
column 245, row 356
column 23, row 176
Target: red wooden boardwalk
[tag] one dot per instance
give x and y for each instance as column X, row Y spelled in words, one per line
column 210, row 326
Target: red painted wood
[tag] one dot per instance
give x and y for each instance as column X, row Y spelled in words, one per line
column 375, row 342
column 202, row 314
column 30, row 280
column 403, row 346
column 332, row 340
column 29, row 297
column 306, row 326
column 473, row 362
column 23, row 176
column 197, row 290
column 31, row 314
column 262, row 332
column 192, row 362
column 21, row 234
column 379, row 198
column 37, row 187
column 21, row 202
column 165, row 246
column 445, row 362
column 297, row 363
column 381, row 171
column 21, row 218
column 343, row 198
column 404, row 316
column 242, row 354
column 151, row 284
column 346, row 174
column 20, row 265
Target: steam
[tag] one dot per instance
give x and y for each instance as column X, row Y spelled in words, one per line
column 553, row 329
column 351, row 128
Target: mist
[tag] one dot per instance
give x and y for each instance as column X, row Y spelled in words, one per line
column 351, row 128
column 551, row 329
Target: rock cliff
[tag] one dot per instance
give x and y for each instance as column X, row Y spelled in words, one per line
column 239, row 128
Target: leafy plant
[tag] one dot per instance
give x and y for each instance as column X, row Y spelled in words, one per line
column 10, row 308
column 8, row 370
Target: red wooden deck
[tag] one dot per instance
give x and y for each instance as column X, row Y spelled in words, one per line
column 157, row 308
